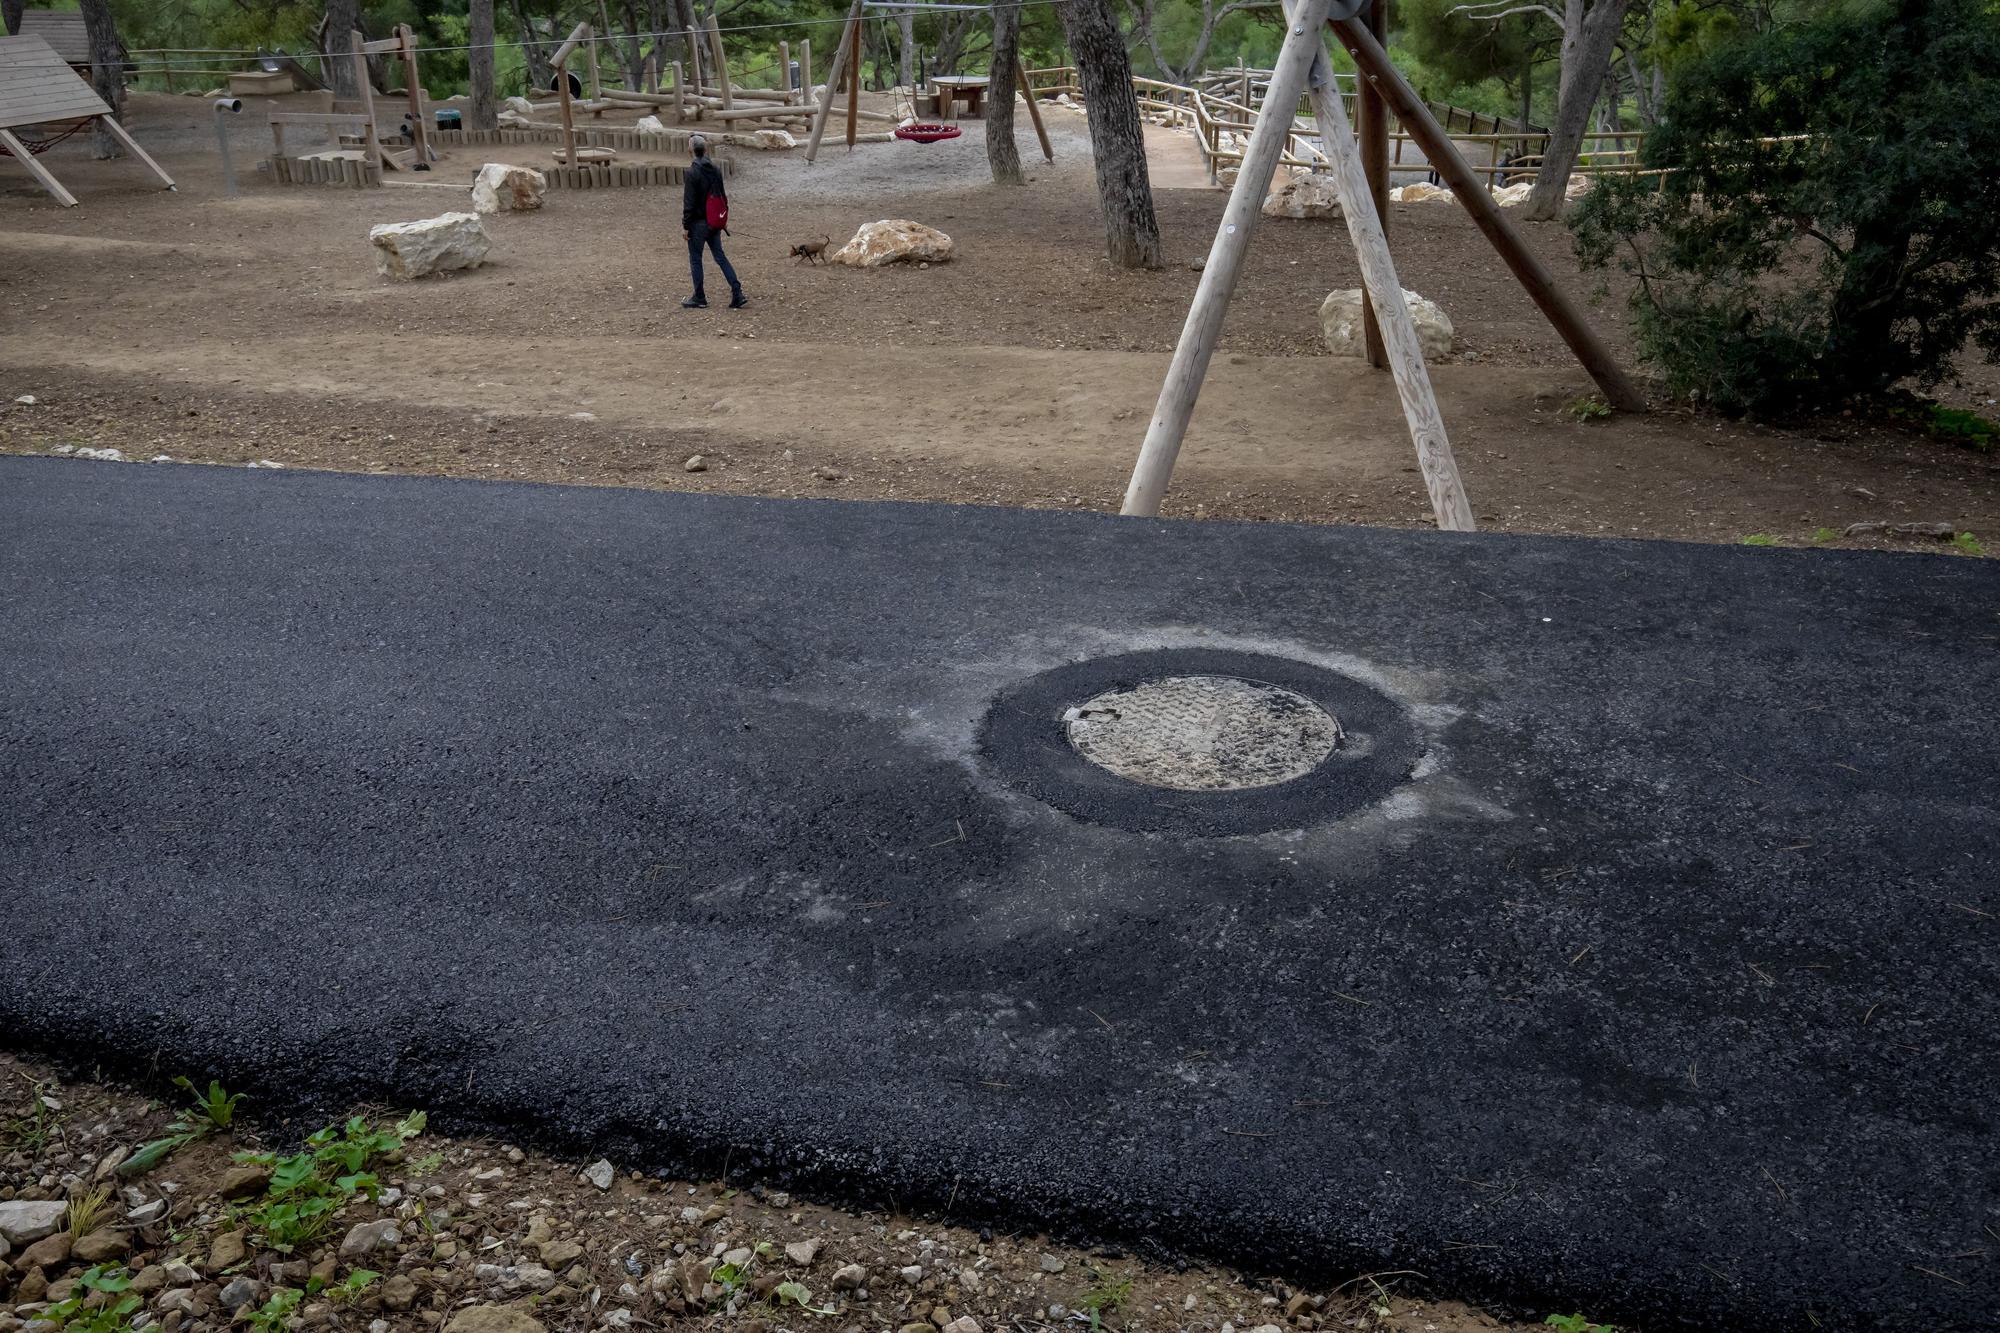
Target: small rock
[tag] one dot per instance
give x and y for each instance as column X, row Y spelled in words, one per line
column 101, row 1247
column 48, row 1252
column 399, row 1292
column 151, row 1278
column 912, row 1275
column 695, row 463
column 1861, row 493
column 915, row 1328
column 1298, row 1305
column 241, row 1182
column 965, row 1323
column 364, row 1238
column 26, row 1220
column 493, row 1319
column 539, row 1232
column 849, row 1277
column 227, row 1252
column 147, row 1213
column 778, row 1198
column 184, row 1275
column 378, row 1326
column 1051, row 1264
column 739, row 1256
column 516, row 1156
column 239, row 1293
column 26, row 400
column 560, row 1254
column 802, row 1252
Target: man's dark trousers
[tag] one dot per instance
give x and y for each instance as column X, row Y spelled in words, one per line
column 701, row 234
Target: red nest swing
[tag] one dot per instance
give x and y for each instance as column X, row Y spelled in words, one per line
column 926, row 133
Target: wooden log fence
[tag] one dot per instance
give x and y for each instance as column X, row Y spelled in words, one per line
column 353, row 173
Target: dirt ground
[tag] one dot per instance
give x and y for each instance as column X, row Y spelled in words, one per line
column 481, row 1224
column 198, row 327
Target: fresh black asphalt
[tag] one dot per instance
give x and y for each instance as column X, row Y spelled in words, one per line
column 1661, row 985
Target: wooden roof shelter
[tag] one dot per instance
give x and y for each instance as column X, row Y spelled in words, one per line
column 37, row 87
column 61, row 29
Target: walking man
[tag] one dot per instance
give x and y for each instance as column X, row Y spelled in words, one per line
column 704, row 217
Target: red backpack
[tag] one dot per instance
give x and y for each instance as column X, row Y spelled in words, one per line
column 717, row 206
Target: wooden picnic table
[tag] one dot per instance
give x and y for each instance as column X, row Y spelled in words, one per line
column 954, row 88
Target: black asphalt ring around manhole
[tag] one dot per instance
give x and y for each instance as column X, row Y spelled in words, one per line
column 1026, row 738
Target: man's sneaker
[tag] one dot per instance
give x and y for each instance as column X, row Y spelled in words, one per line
column 695, row 303
column 738, row 301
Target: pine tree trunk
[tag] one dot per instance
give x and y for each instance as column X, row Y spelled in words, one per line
column 479, row 35
column 535, row 54
column 107, row 71
column 1117, row 137
column 906, row 26
column 1002, row 156
column 1587, row 43
column 343, row 18
column 10, row 15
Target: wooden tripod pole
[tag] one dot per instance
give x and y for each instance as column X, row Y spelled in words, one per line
column 840, row 58
column 1401, row 347
column 1225, row 260
column 1373, row 63
column 1371, row 125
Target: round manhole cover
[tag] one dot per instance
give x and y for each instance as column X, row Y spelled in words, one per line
column 1199, row 742
column 1203, row 733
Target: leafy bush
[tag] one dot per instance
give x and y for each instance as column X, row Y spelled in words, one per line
column 309, row 1188
column 1828, row 224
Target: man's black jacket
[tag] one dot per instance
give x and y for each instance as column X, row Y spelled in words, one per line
column 703, row 179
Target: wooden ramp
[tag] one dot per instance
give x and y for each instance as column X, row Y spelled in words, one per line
column 38, row 87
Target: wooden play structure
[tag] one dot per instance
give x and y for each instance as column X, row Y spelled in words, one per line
column 356, row 119
column 946, row 92
column 1361, row 179
column 38, row 88
column 62, row 29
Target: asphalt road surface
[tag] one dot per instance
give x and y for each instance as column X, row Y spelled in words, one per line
column 1636, row 956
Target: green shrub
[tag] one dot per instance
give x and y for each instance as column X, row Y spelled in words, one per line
column 1828, row 224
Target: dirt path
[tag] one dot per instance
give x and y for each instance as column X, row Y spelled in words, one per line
column 204, row 327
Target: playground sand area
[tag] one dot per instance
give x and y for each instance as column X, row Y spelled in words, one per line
column 200, row 327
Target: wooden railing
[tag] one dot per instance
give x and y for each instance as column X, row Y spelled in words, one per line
column 1222, row 126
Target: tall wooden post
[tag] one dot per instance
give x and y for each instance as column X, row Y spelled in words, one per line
column 1034, row 112
column 721, row 62
column 805, row 71
column 694, row 41
column 853, row 77
column 579, row 35
column 1225, row 261
column 825, row 107
column 1404, row 351
column 785, row 69
column 371, row 141
column 1374, row 66
column 406, row 51
column 1371, row 118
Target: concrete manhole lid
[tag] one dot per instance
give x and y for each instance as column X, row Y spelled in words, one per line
column 1203, row 733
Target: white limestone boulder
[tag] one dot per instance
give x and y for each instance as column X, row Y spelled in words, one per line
column 429, row 245
column 1509, row 195
column 894, row 241
column 503, row 188
column 520, row 106
column 1419, row 192
column 761, row 139
column 1307, row 194
column 651, row 125
column 1341, row 326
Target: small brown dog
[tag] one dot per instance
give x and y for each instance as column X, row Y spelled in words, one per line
column 812, row 250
